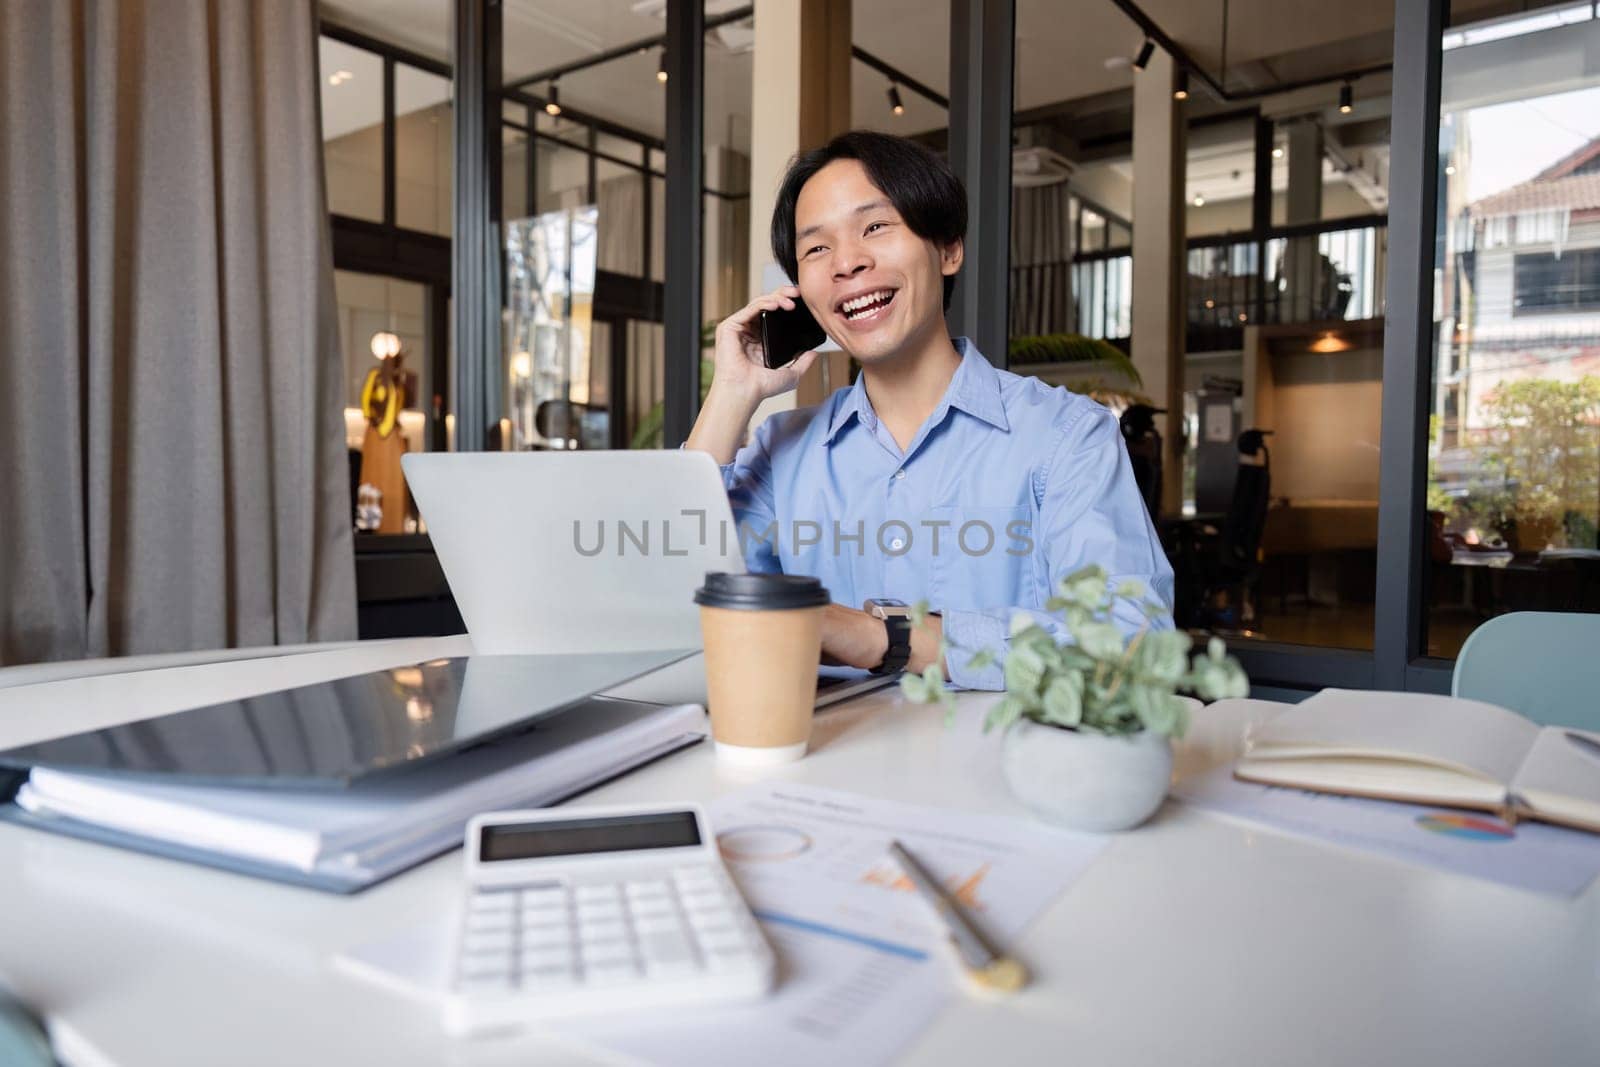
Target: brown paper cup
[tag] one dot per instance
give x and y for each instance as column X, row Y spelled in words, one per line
column 761, row 677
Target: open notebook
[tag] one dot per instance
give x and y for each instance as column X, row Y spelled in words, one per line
column 1429, row 750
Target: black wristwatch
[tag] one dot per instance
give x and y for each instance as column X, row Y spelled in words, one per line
column 896, row 616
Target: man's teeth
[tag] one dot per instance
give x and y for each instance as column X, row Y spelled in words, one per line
column 863, row 303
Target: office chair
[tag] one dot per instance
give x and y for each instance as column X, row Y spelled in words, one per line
column 1540, row 664
column 1216, row 566
column 1143, row 441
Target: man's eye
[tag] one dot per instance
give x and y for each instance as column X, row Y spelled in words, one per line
column 876, row 226
column 813, row 248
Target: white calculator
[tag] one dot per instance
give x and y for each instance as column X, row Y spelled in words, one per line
column 575, row 910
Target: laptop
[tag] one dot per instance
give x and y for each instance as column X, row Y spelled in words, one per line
column 588, row 551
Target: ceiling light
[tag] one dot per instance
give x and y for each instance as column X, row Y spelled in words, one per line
column 895, row 104
column 1346, row 97
column 552, row 106
column 384, row 345
column 339, row 77
column 661, row 67
column 1449, row 168
column 1329, row 342
column 1146, row 50
column 1277, row 153
column 1182, row 91
column 1199, row 201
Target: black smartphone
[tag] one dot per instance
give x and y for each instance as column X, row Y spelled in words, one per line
column 786, row 334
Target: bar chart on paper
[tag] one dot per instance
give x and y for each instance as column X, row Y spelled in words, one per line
column 862, row 969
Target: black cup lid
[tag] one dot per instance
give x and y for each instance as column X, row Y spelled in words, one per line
column 760, row 592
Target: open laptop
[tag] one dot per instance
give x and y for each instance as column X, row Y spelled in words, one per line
column 587, row 551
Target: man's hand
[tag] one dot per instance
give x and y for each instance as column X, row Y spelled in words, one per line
column 852, row 638
column 742, row 379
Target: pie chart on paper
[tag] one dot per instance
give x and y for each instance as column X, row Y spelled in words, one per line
column 1470, row 827
column 755, row 844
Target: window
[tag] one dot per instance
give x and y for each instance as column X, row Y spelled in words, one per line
column 1513, row 488
column 1548, row 282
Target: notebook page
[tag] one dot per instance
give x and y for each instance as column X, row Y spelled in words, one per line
column 1560, row 779
column 1478, row 739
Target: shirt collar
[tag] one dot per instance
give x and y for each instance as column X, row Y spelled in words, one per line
column 975, row 389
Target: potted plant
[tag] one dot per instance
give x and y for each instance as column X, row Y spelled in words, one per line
column 1088, row 724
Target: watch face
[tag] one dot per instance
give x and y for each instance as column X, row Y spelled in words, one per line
column 885, row 607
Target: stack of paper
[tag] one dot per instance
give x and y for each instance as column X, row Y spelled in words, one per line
column 381, row 824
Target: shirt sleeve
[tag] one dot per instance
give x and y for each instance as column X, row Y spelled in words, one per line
column 1090, row 512
column 748, row 480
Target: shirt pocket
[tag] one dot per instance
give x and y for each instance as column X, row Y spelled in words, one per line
column 984, row 558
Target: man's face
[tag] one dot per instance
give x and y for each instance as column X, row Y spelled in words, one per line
column 872, row 284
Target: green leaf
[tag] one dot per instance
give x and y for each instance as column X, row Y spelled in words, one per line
column 914, row 688
column 1217, row 649
column 1086, row 587
column 1003, row 714
column 1102, row 640
column 1129, row 589
column 1024, row 670
column 917, row 613
column 982, row 660
column 1063, row 700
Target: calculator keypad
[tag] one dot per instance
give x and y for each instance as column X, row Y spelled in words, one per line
column 551, row 935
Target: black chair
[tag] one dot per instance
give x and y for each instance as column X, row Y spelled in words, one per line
column 1215, row 565
column 1143, row 440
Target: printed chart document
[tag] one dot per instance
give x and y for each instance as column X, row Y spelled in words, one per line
column 863, row 967
column 1529, row 855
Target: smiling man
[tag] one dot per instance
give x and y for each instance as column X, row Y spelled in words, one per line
column 935, row 476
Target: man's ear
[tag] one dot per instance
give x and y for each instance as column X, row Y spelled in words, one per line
column 950, row 257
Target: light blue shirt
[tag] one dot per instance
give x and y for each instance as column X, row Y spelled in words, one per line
column 1009, row 486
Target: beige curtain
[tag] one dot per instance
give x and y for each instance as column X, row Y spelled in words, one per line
column 172, row 463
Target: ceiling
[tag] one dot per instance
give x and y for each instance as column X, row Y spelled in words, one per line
column 1061, row 51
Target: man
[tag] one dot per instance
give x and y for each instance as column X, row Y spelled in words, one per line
column 934, row 477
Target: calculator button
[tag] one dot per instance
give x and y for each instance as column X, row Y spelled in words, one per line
column 677, row 967
column 729, row 959
column 547, row 977
column 498, row 983
column 543, row 958
column 598, row 892
column 599, row 910
column 646, row 909
column 480, row 942
column 546, row 937
column 497, row 901
column 656, row 924
column 485, row 966
column 648, row 890
column 544, row 896
column 665, row 946
column 541, row 917
column 610, row 972
column 725, row 939
column 601, row 930
column 491, row 920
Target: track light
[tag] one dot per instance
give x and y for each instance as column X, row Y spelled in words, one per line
column 1346, row 98
column 661, row 67
column 552, row 106
column 1182, row 91
column 1146, row 50
column 895, row 103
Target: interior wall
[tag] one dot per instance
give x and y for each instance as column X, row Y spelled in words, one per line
column 1325, row 412
column 1339, row 201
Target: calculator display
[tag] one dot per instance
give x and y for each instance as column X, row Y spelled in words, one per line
column 615, row 833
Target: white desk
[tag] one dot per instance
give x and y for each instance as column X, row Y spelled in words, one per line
column 1193, row 940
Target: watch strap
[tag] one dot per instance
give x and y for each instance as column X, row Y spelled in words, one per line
column 899, row 651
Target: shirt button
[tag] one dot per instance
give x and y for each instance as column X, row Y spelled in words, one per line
column 897, row 544
column 900, row 474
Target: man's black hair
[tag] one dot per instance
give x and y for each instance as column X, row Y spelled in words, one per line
column 918, row 182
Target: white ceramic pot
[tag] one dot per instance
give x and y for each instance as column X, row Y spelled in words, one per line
column 1084, row 780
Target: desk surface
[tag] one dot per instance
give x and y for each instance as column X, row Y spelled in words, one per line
column 1193, row 940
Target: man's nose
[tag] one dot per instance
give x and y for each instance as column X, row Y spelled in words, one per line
column 850, row 260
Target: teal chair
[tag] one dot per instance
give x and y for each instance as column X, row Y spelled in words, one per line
column 1544, row 665
column 22, row 1040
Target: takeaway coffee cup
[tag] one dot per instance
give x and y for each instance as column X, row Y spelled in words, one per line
column 763, row 640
